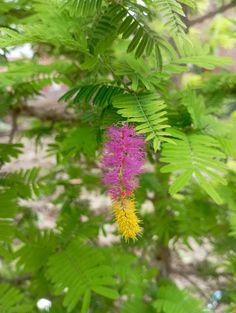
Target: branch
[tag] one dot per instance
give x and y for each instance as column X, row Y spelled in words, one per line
column 47, row 115
column 14, row 125
column 221, row 9
column 188, row 278
column 16, row 280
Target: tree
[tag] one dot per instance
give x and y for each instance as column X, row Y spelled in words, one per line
column 123, row 63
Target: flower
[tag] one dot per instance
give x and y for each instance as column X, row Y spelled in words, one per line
column 127, row 220
column 122, row 162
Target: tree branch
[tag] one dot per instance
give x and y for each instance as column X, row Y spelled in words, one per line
column 16, row 280
column 14, row 125
column 221, row 9
column 47, row 115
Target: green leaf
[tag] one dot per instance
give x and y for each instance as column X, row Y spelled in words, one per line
column 180, row 182
column 8, row 151
column 25, row 183
column 36, row 249
column 86, row 302
column 7, row 230
column 13, row 301
column 118, row 20
column 106, row 292
column 148, row 110
column 171, row 299
column 194, row 155
column 64, row 29
column 89, row 63
column 173, row 12
column 79, row 268
column 206, row 61
column 8, row 205
column 82, row 139
column 136, row 305
column 97, row 94
column 82, row 8
column 208, row 188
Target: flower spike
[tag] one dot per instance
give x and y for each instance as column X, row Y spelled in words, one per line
column 122, row 162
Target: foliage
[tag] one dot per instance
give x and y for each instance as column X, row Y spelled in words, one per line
column 194, row 155
column 146, row 109
column 114, row 62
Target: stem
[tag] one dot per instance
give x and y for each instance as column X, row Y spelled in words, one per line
column 221, row 9
column 14, row 126
column 165, row 258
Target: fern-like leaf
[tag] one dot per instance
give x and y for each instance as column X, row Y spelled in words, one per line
column 194, row 155
column 48, row 15
column 8, row 209
column 139, row 75
column 119, row 20
column 81, row 269
column 26, row 183
column 82, row 8
column 19, row 72
column 136, row 305
column 6, row 229
column 170, row 299
column 172, row 12
column 8, row 206
column 96, row 94
column 13, row 301
column 205, row 61
column 35, row 251
column 149, row 111
column 8, row 151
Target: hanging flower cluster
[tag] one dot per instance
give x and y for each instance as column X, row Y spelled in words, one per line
column 122, row 162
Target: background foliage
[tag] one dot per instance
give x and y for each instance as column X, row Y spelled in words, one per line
column 136, row 61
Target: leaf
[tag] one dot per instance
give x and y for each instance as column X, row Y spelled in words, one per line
column 64, row 29
column 86, row 302
column 194, row 155
column 206, row 61
column 208, row 188
column 8, row 151
column 148, row 110
column 8, row 205
column 82, row 8
column 21, row 73
column 89, row 63
column 180, row 181
column 140, row 75
column 25, row 183
column 36, row 250
column 13, row 301
column 106, row 292
column 136, row 305
column 118, row 20
column 82, row 139
column 97, row 94
column 171, row 299
column 79, row 268
column 173, row 12
column 7, row 229
column 196, row 108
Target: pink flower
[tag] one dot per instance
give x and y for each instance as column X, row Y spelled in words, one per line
column 122, row 161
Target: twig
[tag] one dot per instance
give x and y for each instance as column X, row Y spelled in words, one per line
column 47, row 115
column 14, row 116
column 221, row 9
column 191, row 281
column 16, row 280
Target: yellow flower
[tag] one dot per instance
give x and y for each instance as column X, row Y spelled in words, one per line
column 127, row 220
